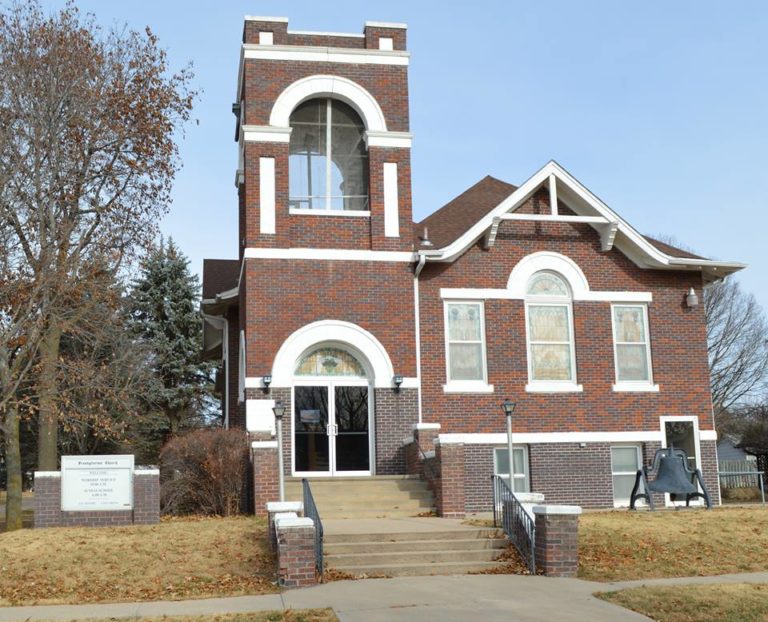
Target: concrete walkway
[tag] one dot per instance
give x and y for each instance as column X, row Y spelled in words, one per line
column 494, row 598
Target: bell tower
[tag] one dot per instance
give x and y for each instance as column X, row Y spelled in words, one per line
column 323, row 138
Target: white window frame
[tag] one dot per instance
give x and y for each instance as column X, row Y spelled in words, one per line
column 551, row 386
column 622, row 386
column 622, row 503
column 518, row 476
column 241, row 367
column 694, row 420
column 465, row 386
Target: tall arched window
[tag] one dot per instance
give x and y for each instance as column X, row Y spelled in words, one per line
column 328, row 158
column 551, row 356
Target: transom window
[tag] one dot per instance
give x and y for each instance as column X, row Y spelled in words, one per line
column 550, row 329
column 465, row 336
column 631, row 344
column 330, row 362
column 328, row 158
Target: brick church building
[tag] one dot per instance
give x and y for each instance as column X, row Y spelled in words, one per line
column 391, row 341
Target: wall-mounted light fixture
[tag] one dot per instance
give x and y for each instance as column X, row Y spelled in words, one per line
column 691, row 299
column 397, row 380
column 266, row 381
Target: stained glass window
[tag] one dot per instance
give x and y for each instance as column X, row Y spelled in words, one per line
column 330, row 362
column 631, row 341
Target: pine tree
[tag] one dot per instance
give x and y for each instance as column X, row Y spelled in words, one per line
column 165, row 316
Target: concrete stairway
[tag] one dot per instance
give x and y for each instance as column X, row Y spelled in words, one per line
column 414, row 553
column 387, row 496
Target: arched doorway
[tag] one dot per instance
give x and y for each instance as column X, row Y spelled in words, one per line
column 332, row 413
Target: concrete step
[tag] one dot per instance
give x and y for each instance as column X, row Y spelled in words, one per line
column 375, row 558
column 365, row 513
column 404, row 570
column 405, row 546
column 411, row 536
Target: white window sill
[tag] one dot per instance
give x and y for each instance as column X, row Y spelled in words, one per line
column 298, row 211
column 553, row 387
column 640, row 387
column 467, row 386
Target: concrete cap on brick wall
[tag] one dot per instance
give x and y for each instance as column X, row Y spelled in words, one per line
column 285, row 516
column 447, row 440
column 425, row 426
column 386, row 25
column 285, row 506
column 288, row 522
column 553, row 510
column 39, row 474
column 264, row 445
column 261, row 18
column 530, row 497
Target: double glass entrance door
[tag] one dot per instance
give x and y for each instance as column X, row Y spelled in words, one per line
column 331, row 429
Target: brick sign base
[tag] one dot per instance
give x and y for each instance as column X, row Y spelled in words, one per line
column 146, row 503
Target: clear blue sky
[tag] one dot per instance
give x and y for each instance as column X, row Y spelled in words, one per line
column 658, row 107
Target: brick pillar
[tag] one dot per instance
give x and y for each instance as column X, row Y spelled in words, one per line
column 295, row 552
column 274, row 509
column 146, row 497
column 557, row 539
column 47, row 499
column 450, row 489
column 266, row 486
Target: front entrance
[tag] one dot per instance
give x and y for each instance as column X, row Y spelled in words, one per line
column 331, row 415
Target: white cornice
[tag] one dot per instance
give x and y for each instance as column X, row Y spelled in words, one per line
column 398, row 25
column 306, row 53
column 328, row 254
column 389, row 139
column 261, row 18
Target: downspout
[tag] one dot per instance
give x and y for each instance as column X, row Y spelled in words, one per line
column 416, row 273
column 225, row 357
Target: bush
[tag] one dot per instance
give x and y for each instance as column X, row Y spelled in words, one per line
column 751, row 493
column 205, row 472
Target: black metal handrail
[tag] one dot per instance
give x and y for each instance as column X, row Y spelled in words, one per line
column 519, row 527
column 310, row 511
column 430, row 466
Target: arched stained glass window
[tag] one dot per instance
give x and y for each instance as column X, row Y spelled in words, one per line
column 330, row 362
column 547, row 284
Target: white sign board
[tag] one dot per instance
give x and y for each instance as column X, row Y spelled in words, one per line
column 96, row 483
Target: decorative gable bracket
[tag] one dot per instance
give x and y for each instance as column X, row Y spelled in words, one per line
column 608, row 235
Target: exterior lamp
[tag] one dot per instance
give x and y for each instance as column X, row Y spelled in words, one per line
column 691, row 299
column 509, row 407
column 397, row 380
column 266, row 381
column 279, row 411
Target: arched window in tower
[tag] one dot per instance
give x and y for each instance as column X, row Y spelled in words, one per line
column 328, row 158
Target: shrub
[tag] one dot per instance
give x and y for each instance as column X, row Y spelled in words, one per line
column 205, row 472
column 751, row 493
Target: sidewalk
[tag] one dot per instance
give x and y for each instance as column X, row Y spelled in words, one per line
column 501, row 598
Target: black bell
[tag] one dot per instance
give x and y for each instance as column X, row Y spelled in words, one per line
column 671, row 477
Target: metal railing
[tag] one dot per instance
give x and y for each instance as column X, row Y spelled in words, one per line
column 429, row 465
column 310, row 511
column 518, row 526
column 742, row 479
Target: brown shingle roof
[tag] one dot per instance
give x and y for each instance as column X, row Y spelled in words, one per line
column 672, row 251
column 219, row 275
column 457, row 216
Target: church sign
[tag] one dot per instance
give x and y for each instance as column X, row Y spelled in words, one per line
column 96, row 483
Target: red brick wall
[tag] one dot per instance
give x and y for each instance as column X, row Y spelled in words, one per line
column 678, row 341
column 284, row 295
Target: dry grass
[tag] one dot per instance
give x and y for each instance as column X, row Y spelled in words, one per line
column 177, row 559
column 301, row 615
column 696, row 603
column 622, row 545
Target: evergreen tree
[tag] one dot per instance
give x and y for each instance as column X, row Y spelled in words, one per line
column 164, row 315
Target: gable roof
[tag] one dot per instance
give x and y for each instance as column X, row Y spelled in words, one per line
column 219, row 275
column 449, row 242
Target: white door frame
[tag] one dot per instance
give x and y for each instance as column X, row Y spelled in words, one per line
column 664, row 443
column 331, row 382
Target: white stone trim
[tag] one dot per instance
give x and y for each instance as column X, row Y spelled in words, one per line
column 267, row 195
column 402, row 140
column 326, row 34
column 284, row 506
column 302, row 211
column 471, row 293
column 398, row 25
column 500, row 438
column 328, row 86
column 425, row 426
column 262, row 18
column 467, row 386
column 265, row 134
column 47, row 474
column 637, row 387
column 391, row 201
column 264, row 445
column 547, row 261
column 330, row 254
column 283, row 523
column 319, row 54
column 363, row 344
column 551, row 386
column 554, row 510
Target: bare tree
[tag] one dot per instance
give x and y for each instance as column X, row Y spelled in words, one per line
column 737, row 335
column 87, row 157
